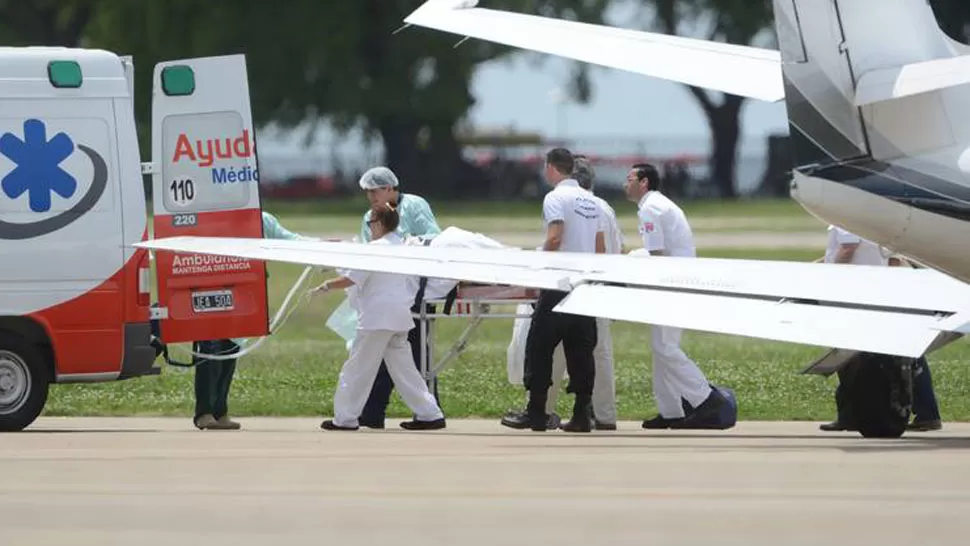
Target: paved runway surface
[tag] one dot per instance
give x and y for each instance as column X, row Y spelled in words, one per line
column 285, row 482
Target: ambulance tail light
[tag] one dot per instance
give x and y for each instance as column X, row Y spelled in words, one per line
column 144, row 282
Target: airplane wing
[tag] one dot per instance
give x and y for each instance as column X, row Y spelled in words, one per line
column 891, row 310
column 740, row 70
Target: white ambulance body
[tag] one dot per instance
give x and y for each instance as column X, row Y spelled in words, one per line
column 74, row 296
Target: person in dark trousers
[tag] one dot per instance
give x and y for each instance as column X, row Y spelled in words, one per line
column 573, row 221
column 926, row 412
column 212, row 381
column 213, row 377
column 416, row 219
column 604, row 387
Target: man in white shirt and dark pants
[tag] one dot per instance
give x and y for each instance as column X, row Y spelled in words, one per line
column 572, row 220
column 676, row 378
column 604, row 386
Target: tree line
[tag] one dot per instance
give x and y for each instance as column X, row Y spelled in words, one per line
column 348, row 63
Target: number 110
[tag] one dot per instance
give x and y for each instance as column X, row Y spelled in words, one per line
column 182, row 190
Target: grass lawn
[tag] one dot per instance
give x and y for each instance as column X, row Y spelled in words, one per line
column 343, row 216
column 355, row 205
column 294, row 371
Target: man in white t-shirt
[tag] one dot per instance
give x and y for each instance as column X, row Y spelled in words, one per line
column 572, row 220
column 676, row 378
column 604, row 386
column 848, row 248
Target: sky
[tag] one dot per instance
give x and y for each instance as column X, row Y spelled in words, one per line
column 627, row 111
column 624, row 105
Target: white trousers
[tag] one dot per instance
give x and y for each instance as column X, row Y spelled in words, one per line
column 675, row 375
column 357, row 377
column 604, row 385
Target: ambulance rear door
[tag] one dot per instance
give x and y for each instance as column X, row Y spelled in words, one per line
column 206, row 183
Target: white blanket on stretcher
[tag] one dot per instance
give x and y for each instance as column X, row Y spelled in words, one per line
column 343, row 320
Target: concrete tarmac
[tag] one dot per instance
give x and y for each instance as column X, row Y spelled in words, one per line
column 158, row 481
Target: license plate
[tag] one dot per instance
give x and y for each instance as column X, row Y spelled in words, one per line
column 216, row 300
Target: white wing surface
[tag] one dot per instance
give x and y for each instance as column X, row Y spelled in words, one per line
column 891, row 310
column 740, row 70
column 912, row 79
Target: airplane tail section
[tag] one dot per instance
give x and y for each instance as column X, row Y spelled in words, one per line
column 828, row 48
column 825, row 125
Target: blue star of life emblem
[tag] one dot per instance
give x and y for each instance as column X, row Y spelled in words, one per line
column 38, row 172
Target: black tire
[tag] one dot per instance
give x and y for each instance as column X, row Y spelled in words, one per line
column 882, row 397
column 24, row 382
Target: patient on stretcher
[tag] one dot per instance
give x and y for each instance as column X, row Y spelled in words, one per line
column 343, row 320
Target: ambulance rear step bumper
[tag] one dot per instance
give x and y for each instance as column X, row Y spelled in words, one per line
column 140, row 355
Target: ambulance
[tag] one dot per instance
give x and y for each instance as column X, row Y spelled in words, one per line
column 75, row 297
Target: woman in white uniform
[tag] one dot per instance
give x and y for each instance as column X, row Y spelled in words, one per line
column 383, row 302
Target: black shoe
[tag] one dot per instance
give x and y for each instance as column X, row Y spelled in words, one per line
column 582, row 419
column 553, row 421
column 515, row 419
column 925, row 426
column 837, row 426
column 415, row 424
column 371, row 424
column 660, row 422
column 330, row 425
column 520, row 420
column 535, row 412
column 581, row 424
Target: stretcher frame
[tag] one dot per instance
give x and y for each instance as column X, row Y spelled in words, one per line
column 473, row 302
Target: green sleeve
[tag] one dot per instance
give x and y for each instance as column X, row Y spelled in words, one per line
column 364, row 228
column 272, row 229
column 424, row 221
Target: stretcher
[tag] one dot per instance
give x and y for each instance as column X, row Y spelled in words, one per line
column 473, row 301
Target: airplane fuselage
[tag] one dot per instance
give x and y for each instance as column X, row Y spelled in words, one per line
column 918, row 206
column 887, row 165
